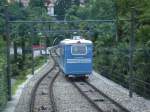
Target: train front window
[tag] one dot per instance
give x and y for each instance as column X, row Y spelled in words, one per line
column 78, row 50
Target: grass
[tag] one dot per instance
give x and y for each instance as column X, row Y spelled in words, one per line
column 22, row 77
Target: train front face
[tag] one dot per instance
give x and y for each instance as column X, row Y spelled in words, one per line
column 78, row 58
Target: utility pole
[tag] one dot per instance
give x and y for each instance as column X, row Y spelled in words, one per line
column 117, row 21
column 7, row 30
column 131, row 52
column 32, row 39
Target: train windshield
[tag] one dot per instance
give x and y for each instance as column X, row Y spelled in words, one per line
column 78, row 50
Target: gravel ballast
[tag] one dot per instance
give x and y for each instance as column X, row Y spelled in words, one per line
column 68, row 99
column 23, row 104
column 120, row 94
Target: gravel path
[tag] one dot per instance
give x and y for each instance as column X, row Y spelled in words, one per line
column 68, row 99
column 23, row 104
column 120, row 94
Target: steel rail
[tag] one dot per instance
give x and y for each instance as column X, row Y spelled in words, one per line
column 103, row 94
column 35, row 89
column 86, row 96
column 99, row 92
column 33, row 92
column 51, row 93
column 94, row 104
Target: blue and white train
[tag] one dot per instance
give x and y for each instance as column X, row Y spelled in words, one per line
column 76, row 57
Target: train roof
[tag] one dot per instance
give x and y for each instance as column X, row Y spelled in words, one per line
column 74, row 41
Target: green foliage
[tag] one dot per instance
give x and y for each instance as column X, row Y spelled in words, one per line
column 143, row 34
column 36, row 3
column 2, row 21
column 61, row 7
column 21, row 75
column 95, row 9
column 3, row 90
column 3, row 85
column 16, row 12
column 100, row 9
column 2, row 53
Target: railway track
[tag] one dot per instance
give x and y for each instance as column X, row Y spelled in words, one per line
column 97, row 98
column 42, row 97
column 100, row 101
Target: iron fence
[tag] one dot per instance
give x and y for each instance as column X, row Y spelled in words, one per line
column 113, row 63
column 141, row 80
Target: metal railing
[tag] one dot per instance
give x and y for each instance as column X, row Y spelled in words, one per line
column 113, row 63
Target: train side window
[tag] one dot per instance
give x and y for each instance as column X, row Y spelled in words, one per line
column 79, row 50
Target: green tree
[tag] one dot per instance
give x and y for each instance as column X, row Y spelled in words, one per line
column 61, row 7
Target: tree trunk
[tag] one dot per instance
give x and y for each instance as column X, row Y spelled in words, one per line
column 47, row 42
column 15, row 50
column 23, row 50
